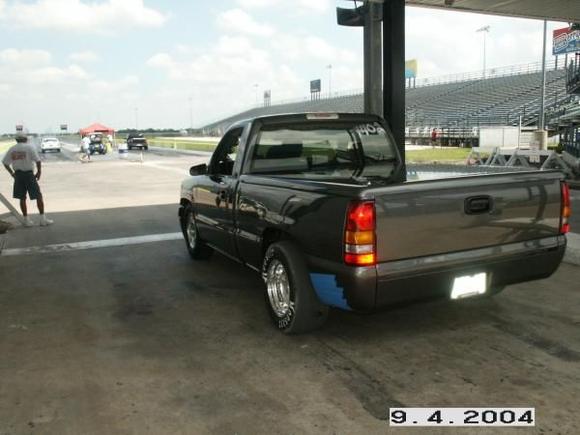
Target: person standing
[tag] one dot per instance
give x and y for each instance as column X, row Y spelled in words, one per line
column 20, row 161
column 434, row 138
column 86, row 149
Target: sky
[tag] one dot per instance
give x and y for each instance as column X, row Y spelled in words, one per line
column 173, row 64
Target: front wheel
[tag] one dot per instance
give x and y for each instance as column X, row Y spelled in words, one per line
column 196, row 247
column 290, row 297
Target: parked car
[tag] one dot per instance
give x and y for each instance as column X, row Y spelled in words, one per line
column 50, row 144
column 319, row 205
column 135, row 140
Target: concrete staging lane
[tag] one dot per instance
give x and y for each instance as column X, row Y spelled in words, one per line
column 137, row 338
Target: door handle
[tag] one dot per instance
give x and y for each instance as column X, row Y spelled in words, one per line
column 478, row 204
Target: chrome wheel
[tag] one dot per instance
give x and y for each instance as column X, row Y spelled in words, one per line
column 278, row 287
column 191, row 231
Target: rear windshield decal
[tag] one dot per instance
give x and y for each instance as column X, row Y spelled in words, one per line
column 369, row 129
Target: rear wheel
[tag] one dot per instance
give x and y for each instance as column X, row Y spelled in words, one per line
column 196, row 247
column 290, row 297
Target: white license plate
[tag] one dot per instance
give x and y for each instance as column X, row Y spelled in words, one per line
column 469, row 285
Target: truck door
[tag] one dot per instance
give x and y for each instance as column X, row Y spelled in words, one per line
column 215, row 197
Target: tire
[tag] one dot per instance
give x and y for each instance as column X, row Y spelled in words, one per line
column 196, row 247
column 129, row 147
column 146, row 147
column 296, row 309
column 43, row 151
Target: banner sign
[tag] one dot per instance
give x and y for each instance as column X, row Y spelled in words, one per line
column 63, row 127
column 267, row 95
column 411, row 68
column 315, row 86
column 566, row 40
column 19, row 127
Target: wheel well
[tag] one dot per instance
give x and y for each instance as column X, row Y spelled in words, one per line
column 272, row 235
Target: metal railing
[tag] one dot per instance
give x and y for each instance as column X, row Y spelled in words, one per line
column 491, row 73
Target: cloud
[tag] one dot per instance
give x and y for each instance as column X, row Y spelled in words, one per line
column 222, row 78
column 230, row 67
column 446, row 42
column 298, row 6
column 295, row 48
column 78, row 16
column 238, row 21
column 40, row 92
column 22, row 68
column 84, row 56
column 11, row 57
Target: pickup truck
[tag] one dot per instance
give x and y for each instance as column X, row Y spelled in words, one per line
column 320, row 206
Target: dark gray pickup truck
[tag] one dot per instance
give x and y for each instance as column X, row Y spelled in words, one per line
column 319, row 204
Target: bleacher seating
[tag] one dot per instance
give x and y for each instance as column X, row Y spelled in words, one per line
column 461, row 105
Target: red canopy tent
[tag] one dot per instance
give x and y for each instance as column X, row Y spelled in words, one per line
column 96, row 128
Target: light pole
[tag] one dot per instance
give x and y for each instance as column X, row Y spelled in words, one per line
column 329, row 67
column 256, row 92
column 191, row 113
column 485, row 31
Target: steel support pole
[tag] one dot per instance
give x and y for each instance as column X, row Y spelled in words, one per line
column 394, row 70
column 543, row 88
column 373, row 67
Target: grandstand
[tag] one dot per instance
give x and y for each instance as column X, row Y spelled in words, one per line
column 456, row 105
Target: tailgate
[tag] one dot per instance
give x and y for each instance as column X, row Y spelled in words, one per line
column 433, row 217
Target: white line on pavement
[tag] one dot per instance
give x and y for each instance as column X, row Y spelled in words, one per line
column 93, row 244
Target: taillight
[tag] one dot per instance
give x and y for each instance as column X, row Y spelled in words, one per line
column 566, row 209
column 359, row 234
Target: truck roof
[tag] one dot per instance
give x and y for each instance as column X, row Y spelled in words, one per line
column 313, row 116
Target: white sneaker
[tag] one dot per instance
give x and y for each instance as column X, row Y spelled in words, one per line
column 44, row 221
column 27, row 222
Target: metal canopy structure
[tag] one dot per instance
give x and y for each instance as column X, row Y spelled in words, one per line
column 552, row 10
column 394, row 41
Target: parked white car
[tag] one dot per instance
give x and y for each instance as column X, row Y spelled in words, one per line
column 49, row 144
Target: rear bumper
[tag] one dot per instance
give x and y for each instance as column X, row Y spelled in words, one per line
column 369, row 288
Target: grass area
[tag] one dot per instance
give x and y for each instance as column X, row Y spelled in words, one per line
column 438, row 155
column 181, row 144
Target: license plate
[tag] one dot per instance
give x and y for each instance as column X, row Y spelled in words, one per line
column 469, row 285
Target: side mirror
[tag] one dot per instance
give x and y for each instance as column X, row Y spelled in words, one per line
column 198, row 169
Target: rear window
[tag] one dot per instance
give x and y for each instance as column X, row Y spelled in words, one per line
column 324, row 150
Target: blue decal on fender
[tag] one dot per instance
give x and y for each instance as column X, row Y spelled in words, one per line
column 328, row 291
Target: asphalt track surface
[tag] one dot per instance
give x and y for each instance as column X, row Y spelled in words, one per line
column 121, row 332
